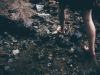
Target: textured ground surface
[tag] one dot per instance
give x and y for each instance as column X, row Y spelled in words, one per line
column 42, row 50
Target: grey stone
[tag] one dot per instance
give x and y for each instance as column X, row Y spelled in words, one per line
column 7, row 68
column 10, row 60
column 40, row 56
column 49, row 58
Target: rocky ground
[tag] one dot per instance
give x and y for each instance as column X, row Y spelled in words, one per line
column 31, row 45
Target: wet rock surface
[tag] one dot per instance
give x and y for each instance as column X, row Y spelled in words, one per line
column 31, row 45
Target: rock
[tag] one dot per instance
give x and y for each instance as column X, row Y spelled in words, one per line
column 11, row 55
column 55, row 32
column 63, row 43
column 84, row 73
column 98, row 43
column 78, row 19
column 49, row 64
column 70, row 19
column 15, row 51
column 43, row 15
column 78, row 34
column 75, row 23
column 6, row 43
column 1, row 41
column 79, row 43
column 69, row 61
column 38, row 42
column 7, row 68
column 29, row 5
column 10, row 60
column 96, row 48
column 71, row 65
column 67, row 22
column 49, row 58
column 35, row 23
column 39, row 30
column 39, row 7
column 75, row 37
column 67, row 16
column 12, row 11
column 16, row 58
column 40, row 56
column 13, row 39
column 28, row 24
column 47, row 31
column 56, row 70
column 1, row 48
column 36, row 27
column 76, row 13
column 44, row 36
column 71, row 50
column 98, row 35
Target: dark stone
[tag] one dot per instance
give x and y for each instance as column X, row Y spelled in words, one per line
column 39, row 42
column 35, row 24
column 44, row 36
column 69, row 61
column 75, row 23
column 12, row 11
column 96, row 48
column 75, row 37
column 79, row 43
column 71, row 20
column 63, row 43
column 67, row 22
column 98, row 43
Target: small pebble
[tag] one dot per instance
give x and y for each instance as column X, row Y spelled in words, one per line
column 49, row 64
column 71, row 65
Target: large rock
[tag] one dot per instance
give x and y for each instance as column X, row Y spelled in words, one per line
column 16, row 9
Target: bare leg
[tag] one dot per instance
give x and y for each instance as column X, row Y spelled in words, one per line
column 62, row 17
column 90, row 29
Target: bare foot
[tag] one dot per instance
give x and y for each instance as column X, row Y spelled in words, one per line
column 92, row 53
column 59, row 30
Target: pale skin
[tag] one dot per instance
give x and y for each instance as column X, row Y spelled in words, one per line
column 89, row 25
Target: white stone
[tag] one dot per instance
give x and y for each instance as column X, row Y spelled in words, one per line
column 55, row 32
column 15, row 51
column 43, row 15
column 39, row 7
